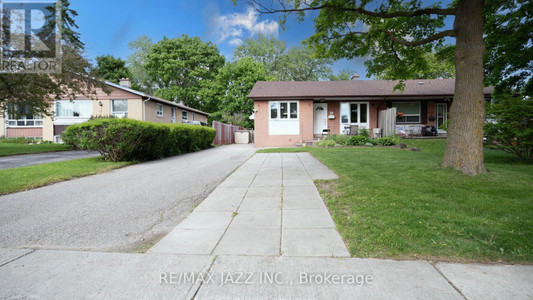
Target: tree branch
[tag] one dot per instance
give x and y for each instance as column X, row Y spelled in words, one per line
column 429, row 39
column 424, row 11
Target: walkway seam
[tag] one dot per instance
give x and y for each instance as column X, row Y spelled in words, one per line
column 202, row 283
column 281, row 210
column 446, row 278
column 235, row 213
column 16, row 258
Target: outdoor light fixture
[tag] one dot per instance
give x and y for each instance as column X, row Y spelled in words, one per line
column 100, row 103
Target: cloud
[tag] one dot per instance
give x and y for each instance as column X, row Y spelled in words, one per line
column 235, row 26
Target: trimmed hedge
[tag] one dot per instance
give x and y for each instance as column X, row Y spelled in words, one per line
column 127, row 140
column 357, row 140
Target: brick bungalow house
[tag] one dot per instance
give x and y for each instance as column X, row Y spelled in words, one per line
column 288, row 113
column 121, row 102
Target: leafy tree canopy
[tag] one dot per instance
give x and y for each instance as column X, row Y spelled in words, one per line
column 136, row 63
column 36, row 91
column 296, row 63
column 435, row 67
column 183, row 66
column 112, row 68
column 230, row 89
column 508, row 39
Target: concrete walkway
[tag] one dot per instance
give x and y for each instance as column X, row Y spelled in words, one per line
column 269, row 206
column 17, row 161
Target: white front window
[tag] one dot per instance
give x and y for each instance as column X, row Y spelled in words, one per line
column 283, row 110
column 23, row 117
column 119, row 108
column 74, row 109
column 354, row 113
column 184, row 116
column 283, row 118
column 410, row 111
column 159, row 109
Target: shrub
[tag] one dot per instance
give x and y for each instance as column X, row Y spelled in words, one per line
column 364, row 132
column 389, row 140
column 338, row 138
column 326, row 143
column 374, row 142
column 126, row 139
column 357, row 140
column 511, row 125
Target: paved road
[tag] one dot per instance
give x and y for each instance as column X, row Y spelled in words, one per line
column 16, row 161
column 118, row 210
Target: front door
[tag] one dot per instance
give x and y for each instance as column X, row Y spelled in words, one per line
column 442, row 115
column 320, row 117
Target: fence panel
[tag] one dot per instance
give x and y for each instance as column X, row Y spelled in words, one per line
column 387, row 121
column 225, row 133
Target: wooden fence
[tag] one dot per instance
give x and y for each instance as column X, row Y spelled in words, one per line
column 387, row 121
column 225, row 133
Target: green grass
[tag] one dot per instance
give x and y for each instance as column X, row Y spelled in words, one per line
column 16, row 148
column 24, row 178
column 400, row 204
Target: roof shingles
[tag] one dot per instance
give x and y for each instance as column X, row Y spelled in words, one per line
column 355, row 88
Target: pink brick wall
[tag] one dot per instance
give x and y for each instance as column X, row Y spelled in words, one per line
column 263, row 139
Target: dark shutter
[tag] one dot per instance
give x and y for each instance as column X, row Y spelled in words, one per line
column 423, row 112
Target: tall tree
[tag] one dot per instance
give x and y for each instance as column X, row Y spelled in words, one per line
column 266, row 50
column 399, row 33
column 436, row 66
column 183, row 66
column 509, row 57
column 342, row 75
column 77, row 76
column 137, row 61
column 296, row 63
column 230, row 89
column 112, row 68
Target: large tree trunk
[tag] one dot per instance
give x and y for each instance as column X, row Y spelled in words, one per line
column 464, row 145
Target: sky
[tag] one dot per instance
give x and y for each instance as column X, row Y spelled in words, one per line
column 107, row 26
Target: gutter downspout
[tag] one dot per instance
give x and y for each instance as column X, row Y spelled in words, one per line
column 144, row 108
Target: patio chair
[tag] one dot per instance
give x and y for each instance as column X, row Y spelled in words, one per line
column 325, row 132
column 354, row 130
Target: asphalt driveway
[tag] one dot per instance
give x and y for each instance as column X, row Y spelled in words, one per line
column 119, row 210
column 16, row 161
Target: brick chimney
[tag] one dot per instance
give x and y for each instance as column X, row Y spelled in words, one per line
column 355, row 76
column 125, row 82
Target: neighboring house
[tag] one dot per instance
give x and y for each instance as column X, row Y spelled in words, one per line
column 122, row 102
column 288, row 113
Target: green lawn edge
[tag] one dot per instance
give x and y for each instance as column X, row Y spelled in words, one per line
column 31, row 177
column 10, row 149
column 399, row 204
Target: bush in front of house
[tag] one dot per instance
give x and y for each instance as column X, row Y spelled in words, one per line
column 133, row 140
column 389, row 140
column 326, row 143
column 364, row 132
column 357, row 140
column 510, row 125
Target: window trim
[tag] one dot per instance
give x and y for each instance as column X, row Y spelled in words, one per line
column 358, row 113
column 112, row 111
column 159, row 113
column 173, row 114
column 419, row 115
column 8, row 119
column 72, row 117
column 278, row 111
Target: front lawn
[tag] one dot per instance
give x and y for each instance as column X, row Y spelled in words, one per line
column 24, row 178
column 401, row 204
column 17, row 149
